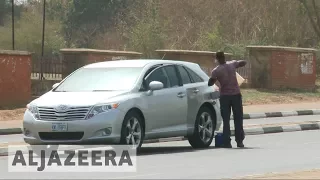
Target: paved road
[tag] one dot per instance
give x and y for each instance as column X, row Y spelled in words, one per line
column 295, row 119
column 10, row 138
column 265, row 153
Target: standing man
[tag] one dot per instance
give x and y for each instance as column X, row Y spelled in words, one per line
column 230, row 97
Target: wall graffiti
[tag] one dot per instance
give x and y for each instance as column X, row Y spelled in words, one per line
column 115, row 58
column 306, row 63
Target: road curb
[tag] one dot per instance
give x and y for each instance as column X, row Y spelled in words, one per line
column 258, row 130
column 9, row 131
column 248, row 131
column 281, row 114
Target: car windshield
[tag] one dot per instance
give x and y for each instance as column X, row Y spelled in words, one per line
column 100, row 79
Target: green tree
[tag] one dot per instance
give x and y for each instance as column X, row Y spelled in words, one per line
column 312, row 9
column 28, row 30
column 147, row 35
column 6, row 9
column 86, row 18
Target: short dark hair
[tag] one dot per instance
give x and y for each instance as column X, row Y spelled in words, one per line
column 220, row 57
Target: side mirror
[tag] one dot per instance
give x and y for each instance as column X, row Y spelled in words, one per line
column 55, row 85
column 155, row 85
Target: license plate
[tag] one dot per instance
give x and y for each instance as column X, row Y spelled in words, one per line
column 59, row 127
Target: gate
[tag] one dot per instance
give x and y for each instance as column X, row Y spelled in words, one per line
column 45, row 73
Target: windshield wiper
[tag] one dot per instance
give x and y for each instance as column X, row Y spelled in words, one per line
column 60, row 91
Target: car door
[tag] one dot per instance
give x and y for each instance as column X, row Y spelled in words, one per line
column 195, row 88
column 177, row 88
column 166, row 107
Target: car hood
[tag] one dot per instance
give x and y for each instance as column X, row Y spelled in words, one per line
column 76, row 98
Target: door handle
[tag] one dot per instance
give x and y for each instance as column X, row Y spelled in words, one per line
column 195, row 91
column 181, row 95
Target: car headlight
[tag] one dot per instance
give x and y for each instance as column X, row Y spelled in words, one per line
column 101, row 109
column 33, row 110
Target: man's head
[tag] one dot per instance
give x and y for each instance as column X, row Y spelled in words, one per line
column 220, row 57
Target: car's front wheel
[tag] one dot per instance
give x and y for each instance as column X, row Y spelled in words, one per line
column 132, row 131
column 204, row 129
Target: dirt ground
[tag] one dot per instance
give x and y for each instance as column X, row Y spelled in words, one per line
column 250, row 97
column 15, row 114
column 255, row 96
column 310, row 174
column 269, row 96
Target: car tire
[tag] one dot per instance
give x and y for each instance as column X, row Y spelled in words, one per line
column 134, row 131
column 204, row 129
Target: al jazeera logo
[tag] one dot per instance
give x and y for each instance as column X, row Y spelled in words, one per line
column 87, row 158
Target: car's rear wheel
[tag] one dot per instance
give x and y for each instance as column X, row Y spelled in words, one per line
column 204, row 129
column 132, row 132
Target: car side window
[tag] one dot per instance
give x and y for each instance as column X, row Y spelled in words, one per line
column 184, row 75
column 173, row 76
column 158, row 75
column 195, row 77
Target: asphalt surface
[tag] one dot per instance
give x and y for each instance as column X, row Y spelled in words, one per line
column 293, row 119
column 10, row 138
column 280, row 152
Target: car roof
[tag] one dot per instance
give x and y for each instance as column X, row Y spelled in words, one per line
column 135, row 63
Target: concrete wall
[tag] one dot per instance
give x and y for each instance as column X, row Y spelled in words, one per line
column 206, row 59
column 15, row 82
column 282, row 67
column 73, row 59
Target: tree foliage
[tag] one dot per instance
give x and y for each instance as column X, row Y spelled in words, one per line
column 86, row 18
column 147, row 25
column 312, row 9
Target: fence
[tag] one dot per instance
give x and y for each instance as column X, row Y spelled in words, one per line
column 245, row 71
column 47, row 69
column 44, row 74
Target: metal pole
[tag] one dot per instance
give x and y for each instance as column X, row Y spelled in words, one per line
column 12, row 1
column 43, row 30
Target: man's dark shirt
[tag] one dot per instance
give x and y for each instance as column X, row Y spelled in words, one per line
column 227, row 77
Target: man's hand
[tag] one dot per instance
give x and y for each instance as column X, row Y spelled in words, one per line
column 241, row 63
column 211, row 81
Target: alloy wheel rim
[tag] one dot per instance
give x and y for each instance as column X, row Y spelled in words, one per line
column 205, row 127
column 134, row 133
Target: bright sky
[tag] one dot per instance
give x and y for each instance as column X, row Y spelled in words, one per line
column 18, row 2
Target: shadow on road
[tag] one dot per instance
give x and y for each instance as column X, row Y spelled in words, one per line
column 164, row 150
column 145, row 151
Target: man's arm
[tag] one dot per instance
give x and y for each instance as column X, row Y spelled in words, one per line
column 212, row 81
column 241, row 63
column 213, row 77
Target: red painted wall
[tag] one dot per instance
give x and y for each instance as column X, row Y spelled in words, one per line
column 287, row 70
column 15, row 81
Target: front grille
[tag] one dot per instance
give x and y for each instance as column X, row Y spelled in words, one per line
column 58, row 136
column 73, row 113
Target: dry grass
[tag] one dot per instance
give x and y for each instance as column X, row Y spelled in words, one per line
column 15, row 114
column 254, row 96
column 266, row 96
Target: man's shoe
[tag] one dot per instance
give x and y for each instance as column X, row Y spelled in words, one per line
column 227, row 145
column 240, row 145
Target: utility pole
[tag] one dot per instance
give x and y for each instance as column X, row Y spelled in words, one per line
column 12, row 1
column 43, row 30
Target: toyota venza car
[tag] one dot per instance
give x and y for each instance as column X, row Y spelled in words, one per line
column 126, row 102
